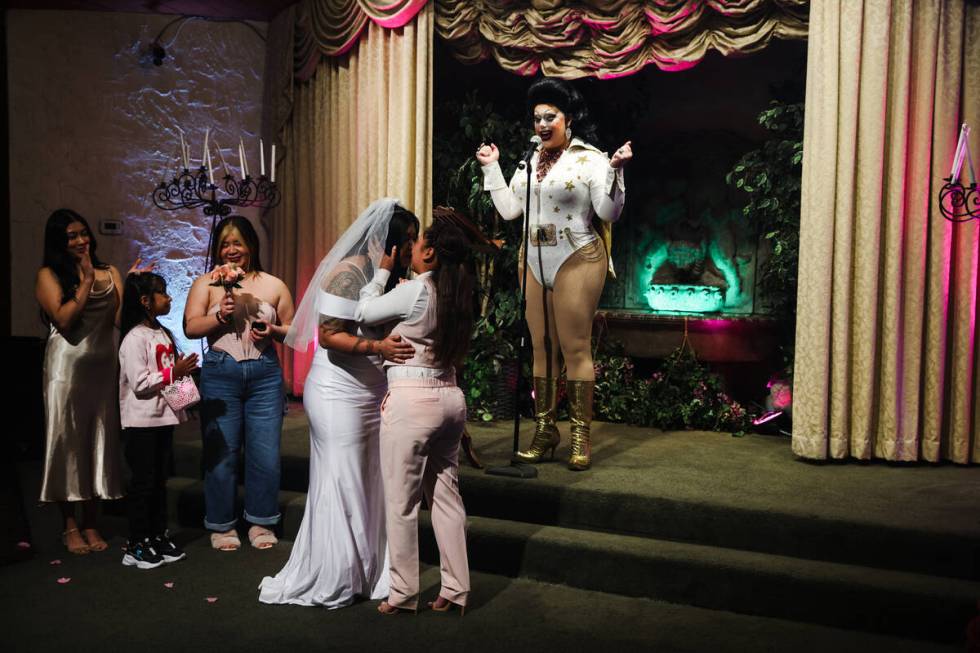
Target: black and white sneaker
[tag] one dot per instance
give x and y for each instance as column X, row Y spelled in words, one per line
column 169, row 551
column 142, row 555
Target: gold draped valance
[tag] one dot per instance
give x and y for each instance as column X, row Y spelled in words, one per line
column 611, row 38
column 330, row 28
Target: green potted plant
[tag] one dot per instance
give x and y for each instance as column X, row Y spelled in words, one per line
column 489, row 374
column 771, row 176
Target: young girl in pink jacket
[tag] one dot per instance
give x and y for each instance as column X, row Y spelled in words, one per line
column 148, row 362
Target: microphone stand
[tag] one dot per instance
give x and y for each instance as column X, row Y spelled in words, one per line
column 518, row 469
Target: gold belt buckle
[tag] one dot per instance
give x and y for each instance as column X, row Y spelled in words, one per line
column 544, row 235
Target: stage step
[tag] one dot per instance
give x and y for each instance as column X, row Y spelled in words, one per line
column 707, row 519
column 855, row 597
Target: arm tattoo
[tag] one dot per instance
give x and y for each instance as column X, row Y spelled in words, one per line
column 362, row 346
column 346, row 284
column 336, row 325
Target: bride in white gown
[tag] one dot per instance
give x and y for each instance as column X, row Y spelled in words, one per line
column 340, row 552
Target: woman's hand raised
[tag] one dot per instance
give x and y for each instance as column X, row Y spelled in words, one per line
column 87, row 269
column 487, row 154
column 136, row 269
column 622, row 156
column 388, row 260
column 184, row 365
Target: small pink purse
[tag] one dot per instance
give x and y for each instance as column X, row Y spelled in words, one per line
column 181, row 394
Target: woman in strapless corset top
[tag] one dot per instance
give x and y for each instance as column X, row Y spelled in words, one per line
column 241, row 384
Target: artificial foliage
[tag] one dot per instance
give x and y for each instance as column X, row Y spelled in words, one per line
column 771, row 176
column 490, row 370
column 489, row 373
column 682, row 394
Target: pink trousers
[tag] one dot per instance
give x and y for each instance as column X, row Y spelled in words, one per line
column 421, row 424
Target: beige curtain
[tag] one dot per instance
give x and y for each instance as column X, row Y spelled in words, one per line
column 330, row 28
column 886, row 348
column 611, row 38
column 360, row 129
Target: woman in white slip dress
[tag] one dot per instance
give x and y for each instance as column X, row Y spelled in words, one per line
column 340, row 551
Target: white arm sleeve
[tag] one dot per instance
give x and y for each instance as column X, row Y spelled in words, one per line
column 401, row 303
column 607, row 188
column 506, row 199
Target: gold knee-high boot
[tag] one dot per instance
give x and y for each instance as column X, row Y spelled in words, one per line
column 580, row 417
column 545, row 432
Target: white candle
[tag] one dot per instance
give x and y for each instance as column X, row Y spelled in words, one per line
column 962, row 146
column 241, row 155
column 204, row 154
column 224, row 165
column 969, row 159
column 261, row 158
column 273, row 163
column 207, row 156
column 957, row 153
column 183, row 147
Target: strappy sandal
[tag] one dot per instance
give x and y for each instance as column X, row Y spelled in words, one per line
column 261, row 537
column 442, row 604
column 386, row 608
column 77, row 550
column 94, row 540
column 225, row 541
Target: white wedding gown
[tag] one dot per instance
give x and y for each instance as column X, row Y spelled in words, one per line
column 340, row 552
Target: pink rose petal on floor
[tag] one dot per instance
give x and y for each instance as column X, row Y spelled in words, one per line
column 55, row 562
column 63, row 580
column 24, row 545
column 169, row 585
column 212, row 599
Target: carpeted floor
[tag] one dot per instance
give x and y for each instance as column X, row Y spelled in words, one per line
column 107, row 607
column 735, row 523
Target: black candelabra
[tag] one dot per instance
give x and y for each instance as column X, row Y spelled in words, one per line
column 959, row 203
column 193, row 190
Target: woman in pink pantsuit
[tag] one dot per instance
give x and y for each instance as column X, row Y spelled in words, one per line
column 423, row 415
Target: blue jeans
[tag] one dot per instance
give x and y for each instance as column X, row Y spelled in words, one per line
column 241, row 398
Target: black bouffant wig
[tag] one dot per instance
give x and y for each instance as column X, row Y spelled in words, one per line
column 558, row 92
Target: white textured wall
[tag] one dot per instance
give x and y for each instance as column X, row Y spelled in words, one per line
column 94, row 130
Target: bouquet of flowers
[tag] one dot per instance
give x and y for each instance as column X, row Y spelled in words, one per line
column 227, row 275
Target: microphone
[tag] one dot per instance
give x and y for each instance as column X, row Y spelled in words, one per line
column 526, row 159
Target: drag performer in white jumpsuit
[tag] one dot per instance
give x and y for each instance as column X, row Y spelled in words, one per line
column 572, row 182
